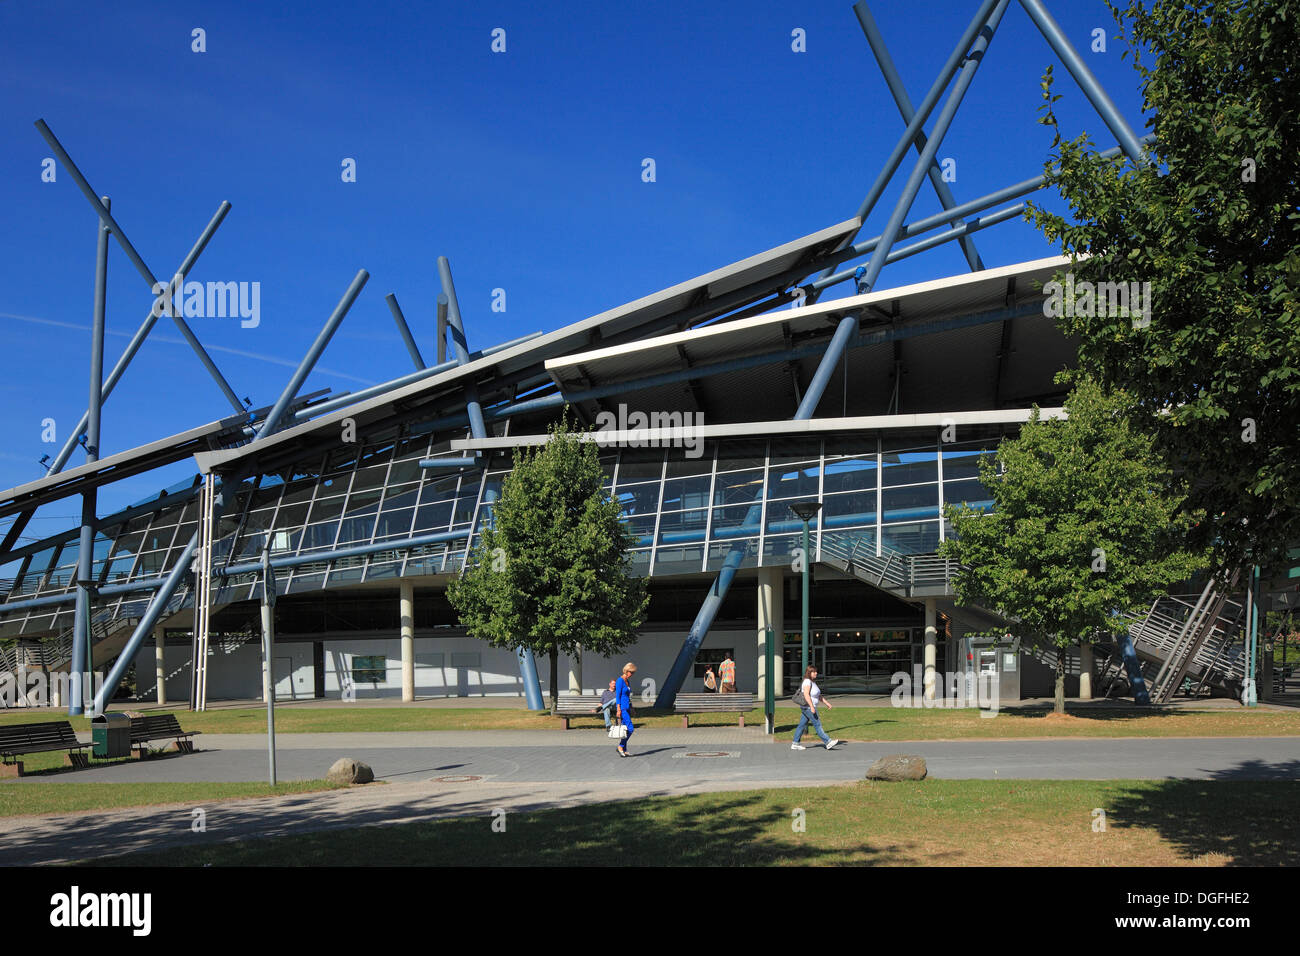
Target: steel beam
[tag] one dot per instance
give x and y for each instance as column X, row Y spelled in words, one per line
column 351, row 397
column 1092, row 89
column 137, row 340
column 404, row 330
column 460, row 346
column 78, row 666
column 313, row 354
column 159, row 602
column 898, row 91
column 442, row 327
column 107, row 218
column 922, row 114
column 839, row 342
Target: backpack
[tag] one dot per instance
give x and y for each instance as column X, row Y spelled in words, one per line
column 709, row 682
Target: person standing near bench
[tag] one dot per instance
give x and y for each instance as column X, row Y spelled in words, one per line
column 727, row 673
column 608, row 701
column 623, row 689
column 811, row 696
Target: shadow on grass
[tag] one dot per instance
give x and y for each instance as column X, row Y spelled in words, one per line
column 1099, row 713
column 740, row 830
column 1246, row 815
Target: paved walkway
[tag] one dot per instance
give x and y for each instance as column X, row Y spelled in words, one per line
column 434, row 775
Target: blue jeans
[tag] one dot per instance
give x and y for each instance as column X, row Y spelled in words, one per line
column 627, row 722
column 807, row 718
column 605, row 712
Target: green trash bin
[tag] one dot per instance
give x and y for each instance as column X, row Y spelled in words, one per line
column 111, row 735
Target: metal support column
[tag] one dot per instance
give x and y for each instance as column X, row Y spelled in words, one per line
column 898, row 91
column 107, row 219
column 79, row 665
column 1092, row 89
column 268, row 646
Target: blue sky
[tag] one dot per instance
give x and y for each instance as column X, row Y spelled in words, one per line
column 523, row 167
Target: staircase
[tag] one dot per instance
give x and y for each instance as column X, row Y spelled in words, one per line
column 906, row 576
column 1175, row 639
column 55, row 653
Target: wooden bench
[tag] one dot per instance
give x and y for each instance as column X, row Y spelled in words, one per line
column 567, row 708
column 157, row 726
column 38, row 738
column 713, row 703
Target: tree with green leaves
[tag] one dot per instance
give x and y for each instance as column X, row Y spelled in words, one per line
column 1083, row 528
column 550, row 571
column 1211, row 219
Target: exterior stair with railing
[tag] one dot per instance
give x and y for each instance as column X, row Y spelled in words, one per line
column 907, row 576
column 107, row 637
column 1175, row 639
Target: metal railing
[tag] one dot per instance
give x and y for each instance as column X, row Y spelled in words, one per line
column 890, row 570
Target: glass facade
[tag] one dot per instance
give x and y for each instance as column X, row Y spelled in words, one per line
column 687, row 514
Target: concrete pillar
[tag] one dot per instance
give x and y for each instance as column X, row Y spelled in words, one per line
column 408, row 641
column 160, row 662
column 771, row 614
column 1085, row 672
column 931, row 643
column 575, row 673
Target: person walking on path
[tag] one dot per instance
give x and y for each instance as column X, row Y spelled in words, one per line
column 811, row 696
column 623, row 689
column 608, row 700
column 727, row 674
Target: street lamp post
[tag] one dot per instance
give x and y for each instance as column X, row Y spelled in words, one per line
column 806, row 510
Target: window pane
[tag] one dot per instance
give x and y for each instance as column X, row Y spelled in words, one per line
column 738, row 487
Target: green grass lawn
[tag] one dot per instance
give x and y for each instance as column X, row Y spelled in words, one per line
column 46, row 798
column 933, row 822
column 850, row 723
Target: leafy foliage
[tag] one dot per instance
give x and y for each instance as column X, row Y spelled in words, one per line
column 1083, row 528
column 1212, row 221
column 550, row 572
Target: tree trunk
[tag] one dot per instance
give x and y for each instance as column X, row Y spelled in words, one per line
column 555, row 674
column 1060, row 681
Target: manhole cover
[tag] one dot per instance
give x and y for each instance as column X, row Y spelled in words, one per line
column 456, row 778
column 709, row 753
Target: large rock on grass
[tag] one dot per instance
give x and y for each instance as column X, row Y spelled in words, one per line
column 349, row 771
column 897, row 767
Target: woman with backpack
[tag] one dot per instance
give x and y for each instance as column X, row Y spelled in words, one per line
column 809, row 697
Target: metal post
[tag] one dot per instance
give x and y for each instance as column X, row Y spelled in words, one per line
column 1252, row 696
column 460, row 346
column 769, row 679
column 159, row 603
column 79, row 667
column 442, row 328
column 137, row 340
column 268, row 643
column 313, row 354
column 107, row 218
column 1092, row 89
column 804, row 608
column 922, row 114
column 876, row 41
column 964, row 78
column 404, row 330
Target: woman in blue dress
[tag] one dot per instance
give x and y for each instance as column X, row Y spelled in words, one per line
column 624, row 692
